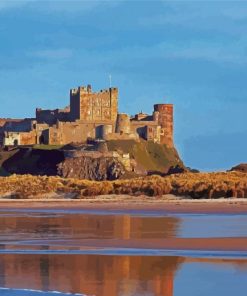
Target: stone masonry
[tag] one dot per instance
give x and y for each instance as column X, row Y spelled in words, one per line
column 90, row 115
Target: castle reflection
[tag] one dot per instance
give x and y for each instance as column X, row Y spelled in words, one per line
column 29, row 226
column 87, row 274
column 98, row 275
column 90, row 274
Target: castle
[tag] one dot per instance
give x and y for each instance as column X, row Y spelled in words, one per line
column 90, row 115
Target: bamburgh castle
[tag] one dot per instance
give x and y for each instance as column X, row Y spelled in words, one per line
column 90, row 115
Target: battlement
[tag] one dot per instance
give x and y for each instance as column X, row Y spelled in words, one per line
column 88, row 90
column 162, row 107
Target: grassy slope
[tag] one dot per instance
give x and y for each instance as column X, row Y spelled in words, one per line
column 150, row 156
column 4, row 155
column 47, row 147
column 34, row 161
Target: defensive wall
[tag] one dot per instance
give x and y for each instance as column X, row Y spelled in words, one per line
column 91, row 115
column 52, row 116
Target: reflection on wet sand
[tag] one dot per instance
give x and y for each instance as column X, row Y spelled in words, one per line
column 98, row 275
column 85, row 226
column 90, row 274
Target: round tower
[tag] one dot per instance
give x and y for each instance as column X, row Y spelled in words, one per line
column 123, row 123
column 165, row 120
column 156, row 116
column 107, row 129
column 102, row 147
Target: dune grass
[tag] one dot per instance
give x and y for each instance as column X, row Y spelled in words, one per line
column 201, row 185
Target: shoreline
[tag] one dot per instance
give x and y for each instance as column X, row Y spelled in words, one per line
column 129, row 203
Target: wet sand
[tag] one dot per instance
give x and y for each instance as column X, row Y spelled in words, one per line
column 140, row 206
column 123, row 246
column 236, row 244
column 128, row 203
column 190, row 244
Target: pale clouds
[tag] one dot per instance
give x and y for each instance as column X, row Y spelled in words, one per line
column 192, row 50
column 236, row 13
column 52, row 54
column 214, row 52
column 56, row 6
column 11, row 4
column 198, row 14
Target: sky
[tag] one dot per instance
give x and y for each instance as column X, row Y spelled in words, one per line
column 189, row 53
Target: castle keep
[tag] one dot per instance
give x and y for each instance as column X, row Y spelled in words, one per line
column 90, row 115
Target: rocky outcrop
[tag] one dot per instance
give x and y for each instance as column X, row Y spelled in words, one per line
column 94, row 161
column 91, row 168
column 240, row 168
column 176, row 170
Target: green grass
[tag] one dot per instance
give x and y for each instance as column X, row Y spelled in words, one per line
column 151, row 156
column 125, row 146
column 48, row 147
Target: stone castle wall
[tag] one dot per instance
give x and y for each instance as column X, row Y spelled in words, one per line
column 52, row 116
column 91, row 115
column 14, row 125
column 20, row 138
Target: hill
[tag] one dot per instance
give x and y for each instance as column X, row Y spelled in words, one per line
column 148, row 157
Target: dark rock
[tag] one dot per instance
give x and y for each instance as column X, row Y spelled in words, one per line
column 176, row 170
column 191, row 170
column 240, row 168
column 85, row 167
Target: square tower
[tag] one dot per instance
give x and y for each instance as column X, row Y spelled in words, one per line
column 89, row 106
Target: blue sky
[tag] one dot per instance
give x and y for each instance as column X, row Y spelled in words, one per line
column 190, row 53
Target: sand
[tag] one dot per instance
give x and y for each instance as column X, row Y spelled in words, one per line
column 140, row 205
column 236, row 244
column 129, row 203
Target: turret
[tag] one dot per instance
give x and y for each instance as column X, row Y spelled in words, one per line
column 123, row 123
column 165, row 120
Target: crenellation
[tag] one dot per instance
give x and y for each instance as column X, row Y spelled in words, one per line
column 90, row 115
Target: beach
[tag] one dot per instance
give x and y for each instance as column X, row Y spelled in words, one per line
column 112, row 244
column 121, row 203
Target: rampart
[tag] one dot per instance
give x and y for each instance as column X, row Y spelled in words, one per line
column 52, row 116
